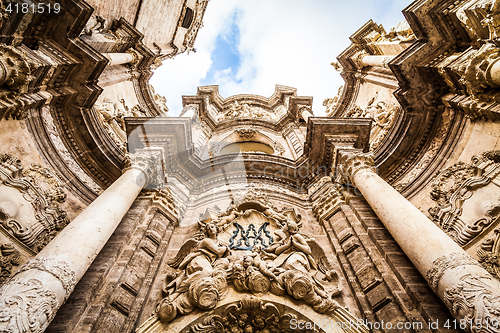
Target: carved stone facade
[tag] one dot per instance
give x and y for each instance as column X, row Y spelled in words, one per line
column 248, row 213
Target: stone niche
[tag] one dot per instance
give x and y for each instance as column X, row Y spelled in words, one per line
column 249, row 269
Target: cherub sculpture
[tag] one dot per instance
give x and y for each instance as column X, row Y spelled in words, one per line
column 202, row 279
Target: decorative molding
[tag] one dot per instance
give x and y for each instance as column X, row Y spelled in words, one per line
column 189, row 38
column 59, row 269
column 26, row 306
column 446, row 262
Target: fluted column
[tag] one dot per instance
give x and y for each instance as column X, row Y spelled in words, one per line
column 32, row 297
column 467, row 289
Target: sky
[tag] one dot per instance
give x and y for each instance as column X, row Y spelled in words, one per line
column 249, row 46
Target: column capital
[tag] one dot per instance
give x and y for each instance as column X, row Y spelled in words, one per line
column 353, row 161
column 151, row 162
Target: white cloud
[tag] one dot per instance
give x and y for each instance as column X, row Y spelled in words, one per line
column 288, row 42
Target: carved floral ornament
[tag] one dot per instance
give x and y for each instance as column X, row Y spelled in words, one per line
column 251, row 248
column 39, row 187
column 467, row 197
column 151, row 162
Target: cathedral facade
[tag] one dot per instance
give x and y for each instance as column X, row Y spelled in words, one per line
column 247, row 214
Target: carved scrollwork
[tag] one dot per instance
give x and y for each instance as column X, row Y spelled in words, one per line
column 329, row 202
column 26, row 306
column 456, row 185
column 43, row 190
column 59, row 269
column 246, row 133
column 252, row 315
column 476, row 300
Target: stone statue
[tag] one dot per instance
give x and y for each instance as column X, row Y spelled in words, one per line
column 202, row 279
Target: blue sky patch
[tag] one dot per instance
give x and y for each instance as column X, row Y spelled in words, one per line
column 225, row 56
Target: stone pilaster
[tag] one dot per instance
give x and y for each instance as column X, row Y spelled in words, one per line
column 467, row 289
column 30, row 300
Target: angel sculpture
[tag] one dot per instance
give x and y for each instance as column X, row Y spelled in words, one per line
column 307, row 274
column 225, row 218
column 202, row 279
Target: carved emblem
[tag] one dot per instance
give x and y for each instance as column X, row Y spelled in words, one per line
column 285, row 263
column 455, row 187
column 43, row 190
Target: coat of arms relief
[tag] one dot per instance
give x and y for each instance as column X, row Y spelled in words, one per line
column 252, row 249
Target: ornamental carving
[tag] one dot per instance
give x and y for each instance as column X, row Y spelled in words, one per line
column 15, row 75
column 237, row 249
column 112, row 118
column 467, row 199
column 160, row 101
column 481, row 20
column 474, row 69
column 278, row 148
column 488, row 254
column 238, row 110
column 59, row 269
column 190, row 36
column 354, row 161
column 476, row 300
column 26, row 306
column 44, row 193
column 9, row 257
column 330, row 201
column 331, row 103
column 246, row 133
column 446, row 262
column 253, row 315
column 383, row 115
column 151, row 162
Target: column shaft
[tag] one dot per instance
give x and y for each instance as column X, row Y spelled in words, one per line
column 118, row 58
column 376, row 60
column 467, row 289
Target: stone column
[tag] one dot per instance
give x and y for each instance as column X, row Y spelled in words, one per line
column 467, row 289
column 376, row 60
column 118, row 58
column 32, row 297
column 305, row 113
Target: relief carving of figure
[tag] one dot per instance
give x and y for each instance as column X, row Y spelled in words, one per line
column 202, row 279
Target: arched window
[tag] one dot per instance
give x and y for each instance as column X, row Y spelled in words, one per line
column 247, row 147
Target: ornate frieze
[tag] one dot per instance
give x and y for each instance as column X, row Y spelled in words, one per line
column 241, row 110
column 460, row 186
column 43, row 191
column 284, row 263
